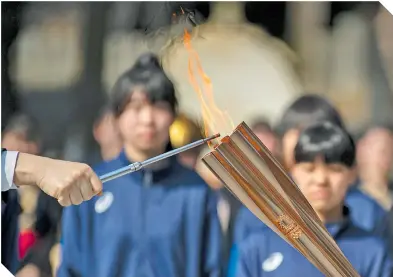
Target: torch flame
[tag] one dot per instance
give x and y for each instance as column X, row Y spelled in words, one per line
column 213, row 118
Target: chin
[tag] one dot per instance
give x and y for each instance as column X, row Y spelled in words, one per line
column 320, row 205
column 148, row 147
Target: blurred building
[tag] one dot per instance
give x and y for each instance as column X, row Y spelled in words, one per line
column 251, row 72
column 64, row 56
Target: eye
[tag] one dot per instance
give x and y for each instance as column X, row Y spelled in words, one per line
column 162, row 106
column 309, row 167
column 134, row 105
column 336, row 168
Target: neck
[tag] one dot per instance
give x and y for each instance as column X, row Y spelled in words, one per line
column 216, row 185
column 334, row 215
column 227, row 13
column 136, row 155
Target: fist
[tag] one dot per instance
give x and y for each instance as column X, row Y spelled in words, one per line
column 70, row 183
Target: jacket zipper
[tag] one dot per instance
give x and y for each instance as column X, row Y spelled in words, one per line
column 146, row 184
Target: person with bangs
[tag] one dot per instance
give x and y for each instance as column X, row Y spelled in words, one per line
column 160, row 221
column 303, row 112
column 324, row 160
column 310, row 109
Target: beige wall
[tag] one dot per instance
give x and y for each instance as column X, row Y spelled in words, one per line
column 252, row 73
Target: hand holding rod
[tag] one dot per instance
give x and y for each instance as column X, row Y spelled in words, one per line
column 139, row 165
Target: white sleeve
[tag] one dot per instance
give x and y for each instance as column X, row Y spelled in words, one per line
column 8, row 163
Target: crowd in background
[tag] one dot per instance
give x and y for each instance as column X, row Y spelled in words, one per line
column 176, row 218
column 140, row 121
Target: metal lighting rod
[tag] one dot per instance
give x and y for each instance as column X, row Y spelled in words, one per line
column 139, row 165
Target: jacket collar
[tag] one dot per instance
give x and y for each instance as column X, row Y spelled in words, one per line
column 335, row 229
column 159, row 170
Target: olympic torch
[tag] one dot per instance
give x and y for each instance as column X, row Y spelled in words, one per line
column 254, row 176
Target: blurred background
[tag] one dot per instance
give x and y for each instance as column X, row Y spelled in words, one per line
column 60, row 59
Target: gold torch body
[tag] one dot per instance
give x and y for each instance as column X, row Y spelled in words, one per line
column 255, row 177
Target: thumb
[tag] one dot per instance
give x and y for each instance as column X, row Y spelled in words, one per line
column 96, row 183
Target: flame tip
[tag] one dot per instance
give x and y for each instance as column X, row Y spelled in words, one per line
column 212, row 116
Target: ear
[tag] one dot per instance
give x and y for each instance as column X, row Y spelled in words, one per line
column 96, row 132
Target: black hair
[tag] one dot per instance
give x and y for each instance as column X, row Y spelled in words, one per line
column 147, row 73
column 105, row 110
column 307, row 110
column 326, row 140
column 26, row 125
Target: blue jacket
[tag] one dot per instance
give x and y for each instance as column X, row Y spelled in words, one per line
column 365, row 213
column 151, row 224
column 265, row 254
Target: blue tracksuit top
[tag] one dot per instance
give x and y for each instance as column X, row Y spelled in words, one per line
column 365, row 213
column 265, row 254
column 146, row 224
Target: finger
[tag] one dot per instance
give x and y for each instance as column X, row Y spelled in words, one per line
column 76, row 196
column 95, row 182
column 64, row 200
column 86, row 190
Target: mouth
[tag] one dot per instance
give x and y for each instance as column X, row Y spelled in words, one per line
column 147, row 135
column 320, row 194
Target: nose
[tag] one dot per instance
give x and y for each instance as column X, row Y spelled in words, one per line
column 146, row 115
column 320, row 177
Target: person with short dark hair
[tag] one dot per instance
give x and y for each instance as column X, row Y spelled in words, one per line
column 46, row 233
column 159, row 221
column 307, row 110
column 310, row 109
column 22, row 134
column 375, row 162
column 107, row 134
column 303, row 112
column 323, row 171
